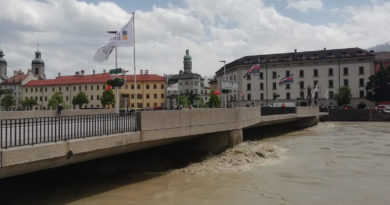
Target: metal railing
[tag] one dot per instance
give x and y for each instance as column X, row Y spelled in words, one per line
column 30, row 131
column 277, row 110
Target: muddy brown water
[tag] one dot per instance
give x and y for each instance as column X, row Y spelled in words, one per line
column 331, row 163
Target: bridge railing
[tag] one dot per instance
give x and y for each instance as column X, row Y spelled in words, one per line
column 265, row 111
column 30, row 131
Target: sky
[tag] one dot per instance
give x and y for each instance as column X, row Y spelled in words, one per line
column 70, row 31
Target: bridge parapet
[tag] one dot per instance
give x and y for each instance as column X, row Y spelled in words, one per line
column 308, row 111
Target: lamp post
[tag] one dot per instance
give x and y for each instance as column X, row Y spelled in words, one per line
column 116, row 75
column 224, row 76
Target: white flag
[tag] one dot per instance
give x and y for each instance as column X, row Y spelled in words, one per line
column 326, row 93
column 123, row 38
column 173, row 87
column 313, row 92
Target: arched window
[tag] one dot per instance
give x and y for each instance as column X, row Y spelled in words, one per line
column 36, row 71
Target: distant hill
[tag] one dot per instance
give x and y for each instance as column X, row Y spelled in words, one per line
column 381, row 47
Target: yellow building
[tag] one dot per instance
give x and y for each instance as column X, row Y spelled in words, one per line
column 150, row 90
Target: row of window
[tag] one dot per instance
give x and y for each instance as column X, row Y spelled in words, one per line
column 188, row 83
column 92, row 87
column 302, row 84
column 301, row 95
column 315, row 73
column 139, row 96
column 139, row 105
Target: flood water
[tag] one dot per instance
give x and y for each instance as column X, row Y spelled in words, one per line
column 331, row 163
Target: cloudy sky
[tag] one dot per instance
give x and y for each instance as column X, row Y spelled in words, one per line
column 70, row 31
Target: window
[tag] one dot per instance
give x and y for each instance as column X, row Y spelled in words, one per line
column 261, row 96
column 138, row 87
column 139, row 96
column 274, row 75
column 248, row 77
column 345, row 71
column 315, row 72
column 248, row 86
column 139, row 105
column 261, row 76
column 361, row 94
column 97, row 87
column 249, row 96
column 302, row 85
column 132, row 96
column 288, row 87
column 91, row 97
column 361, row 70
column 53, row 89
column 97, row 97
column 67, row 88
column 361, row 82
column 330, row 72
column 288, row 96
column 302, row 94
column 154, row 86
column 79, row 88
column 330, row 83
column 104, row 87
column 45, row 98
column 287, row 73
column 162, row 96
column 273, row 86
column 91, row 87
column 147, row 96
column 40, row 98
column 60, row 89
column 315, row 83
column 86, row 87
column 45, row 89
column 155, row 104
column 147, row 104
column 74, row 88
column 301, row 74
column 261, row 86
column 331, row 94
column 147, row 87
column 40, row 89
column 132, row 87
column 345, row 82
column 67, row 98
column 155, row 96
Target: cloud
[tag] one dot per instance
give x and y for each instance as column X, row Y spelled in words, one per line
column 305, row 5
column 70, row 31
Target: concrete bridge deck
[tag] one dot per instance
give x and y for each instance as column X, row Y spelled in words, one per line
column 217, row 129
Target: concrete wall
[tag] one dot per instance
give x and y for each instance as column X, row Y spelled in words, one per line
column 357, row 115
column 51, row 113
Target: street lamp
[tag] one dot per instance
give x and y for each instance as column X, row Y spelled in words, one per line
column 224, row 76
column 116, row 74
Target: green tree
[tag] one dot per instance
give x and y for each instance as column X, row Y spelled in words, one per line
column 378, row 86
column 7, row 101
column 80, row 99
column 29, row 102
column 343, row 97
column 107, row 98
column 183, row 100
column 55, row 100
column 214, row 100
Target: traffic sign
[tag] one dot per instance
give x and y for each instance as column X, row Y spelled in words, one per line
column 116, row 71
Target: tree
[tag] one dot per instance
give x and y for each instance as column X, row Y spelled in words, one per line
column 29, row 102
column 378, row 86
column 214, row 100
column 183, row 100
column 107, row 98
column 343, row 97
column 55, row 100
column 7, row 101
column 80, row 99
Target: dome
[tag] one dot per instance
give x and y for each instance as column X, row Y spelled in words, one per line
column 2, row 60
column 187, row 57
column 37, row 59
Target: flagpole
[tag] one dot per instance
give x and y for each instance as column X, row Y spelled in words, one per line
column 135, row 70
column 116, row 76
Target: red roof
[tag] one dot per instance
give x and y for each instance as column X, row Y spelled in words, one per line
column 14, row 79
column 89, row 79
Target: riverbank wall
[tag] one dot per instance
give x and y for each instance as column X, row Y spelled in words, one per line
column 357, row 115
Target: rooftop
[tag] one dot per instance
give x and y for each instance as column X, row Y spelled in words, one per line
column 14, row 79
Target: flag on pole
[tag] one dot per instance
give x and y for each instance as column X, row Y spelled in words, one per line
column 254, row 70
column 314, row 91
column 123, row 38
column 287, row 80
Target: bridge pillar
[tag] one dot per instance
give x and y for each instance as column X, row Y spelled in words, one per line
column 216, row 142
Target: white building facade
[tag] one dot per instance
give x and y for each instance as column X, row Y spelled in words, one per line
column 327, row 69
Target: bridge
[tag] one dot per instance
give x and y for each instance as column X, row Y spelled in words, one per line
column 38, row 143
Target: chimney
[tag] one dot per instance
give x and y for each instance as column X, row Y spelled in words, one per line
column 141, row 72
column 325, row 49
column 15, row 72
column 59, row 74
column 82, row 72
column 104, row 70
column 77, row 73
column 146, row 72
column 295, row 50
column 181, row 72
column 93, row 71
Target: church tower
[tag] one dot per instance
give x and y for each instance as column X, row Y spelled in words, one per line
column 187, row 62
column 38, row 66
column 3, row 66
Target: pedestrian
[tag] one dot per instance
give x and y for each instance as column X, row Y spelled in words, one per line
column 59, row 110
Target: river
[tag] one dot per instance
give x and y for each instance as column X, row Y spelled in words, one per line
column 331, row 163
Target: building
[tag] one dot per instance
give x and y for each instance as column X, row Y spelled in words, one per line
column 329, row 69
column 188, row 82
column 15, row 83
column 151, row 91
column 382, row 59
column 93, row 86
